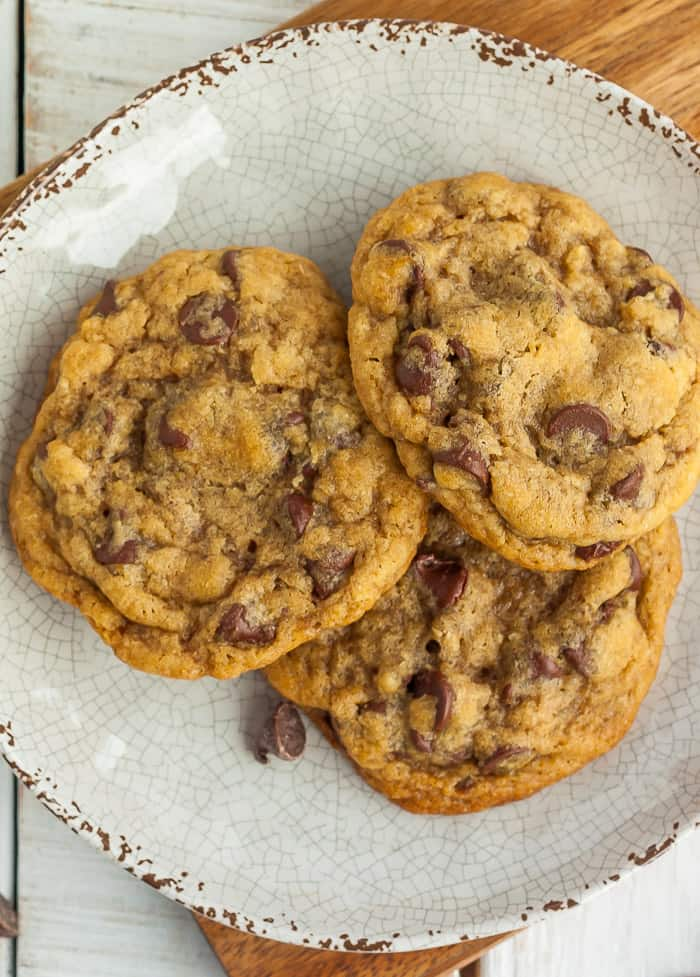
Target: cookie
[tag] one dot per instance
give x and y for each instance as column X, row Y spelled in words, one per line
column 201, row 481
column 540, row 378
column 476, row 682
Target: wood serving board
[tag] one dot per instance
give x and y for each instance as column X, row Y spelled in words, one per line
column 651, row 47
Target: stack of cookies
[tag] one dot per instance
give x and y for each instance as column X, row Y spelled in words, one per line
column 451, row 545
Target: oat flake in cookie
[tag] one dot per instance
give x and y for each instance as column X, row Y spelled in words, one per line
column 539, row 377
column 475, row 682
column 201, row 480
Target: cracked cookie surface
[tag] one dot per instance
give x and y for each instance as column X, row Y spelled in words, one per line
column 201, row 480
column 539, row 378
column 476, row 682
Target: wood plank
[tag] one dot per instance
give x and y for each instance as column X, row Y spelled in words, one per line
column 83, row 916
column 74, row 79
column 242, row 955
column 651, row 47
column 7, row 859
column 645, row 925
column 9, row 43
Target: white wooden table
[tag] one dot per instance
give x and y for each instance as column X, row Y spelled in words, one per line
column 81, row 916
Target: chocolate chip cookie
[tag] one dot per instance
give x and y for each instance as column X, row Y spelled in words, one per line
column 475, row 682
column 539, row 377
column 201, row 480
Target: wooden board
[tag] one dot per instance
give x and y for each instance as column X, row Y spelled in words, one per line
column 9, row 63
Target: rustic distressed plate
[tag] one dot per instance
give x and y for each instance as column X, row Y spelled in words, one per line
column 296, row 140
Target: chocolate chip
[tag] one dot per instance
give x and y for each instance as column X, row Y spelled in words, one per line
column 463, row 785
column 295, row 417
column 636, row 572
column 229, row 266
column 432, row 646
column 459, row 350
column 172, row 437
column 432, row 682
column 208, row 320
column 309, row 472
column 445, row 579
column 300, row 510
column 676, row 302
column 469, row 460
column 107, row 303
column 607, row 609
column 544, row 667
column 395, row 244
column 583, row 417
column 234, row 629
column 107, row 421
column 596, row 550
column 414, row 367
column 641, row 288
column 328, row 573
column 283, row 734
column 500, row 756
column 421, row 743
column 627, row 488
column 579, row 660
column 108, row 555
column 642, row 253
column 657, row 348
column 377, row 706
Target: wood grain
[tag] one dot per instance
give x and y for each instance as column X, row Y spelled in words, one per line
column 9, row 62
column 651, row 47
column 242, row 955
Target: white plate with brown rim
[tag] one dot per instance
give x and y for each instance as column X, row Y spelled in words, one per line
column 295, row 140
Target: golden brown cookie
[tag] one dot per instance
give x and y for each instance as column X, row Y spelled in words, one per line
column 540, row 379
column 201, row 481
column 475, row 682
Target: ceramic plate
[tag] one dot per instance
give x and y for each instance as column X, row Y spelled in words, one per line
column 295, row 140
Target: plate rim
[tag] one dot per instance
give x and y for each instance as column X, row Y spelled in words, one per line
column 135, row 860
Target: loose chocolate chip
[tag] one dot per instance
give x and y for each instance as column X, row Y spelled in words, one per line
column 328, row 572
column 107, row 303
column 459, row 350
column 596, row 550
column 295, row 417
column 172, row 437
column 579, row 660
column 469, row 460
column 300, row 510
column 377, row 706
column 108, row 555
column 641, row 288
column 229, row 266
column 636, row 572
column 463, row 785
column 627, row 488
column 107, row 421
column 445, row 579
column 545, row 667
column 421, row 743
column 432, row 682
column 414, row 367
column 582, row 417
column 283, row 734
column 208, row 320
column 500, row 756
column 234, row 629
column 676, row 302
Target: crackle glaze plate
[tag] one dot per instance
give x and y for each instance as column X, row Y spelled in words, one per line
column 295, row 140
